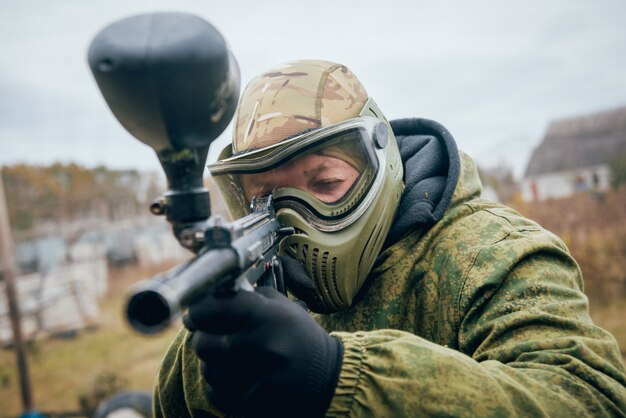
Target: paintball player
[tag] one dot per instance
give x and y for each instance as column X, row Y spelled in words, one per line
column 428, row 300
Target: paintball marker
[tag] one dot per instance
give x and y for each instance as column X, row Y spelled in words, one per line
column 171, row 81
column 233, row 256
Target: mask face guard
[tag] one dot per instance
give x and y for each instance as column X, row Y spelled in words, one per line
column 359, row 141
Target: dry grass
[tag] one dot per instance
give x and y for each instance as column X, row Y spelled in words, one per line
column 62, row 370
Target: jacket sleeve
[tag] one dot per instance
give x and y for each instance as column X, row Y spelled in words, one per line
column 526, row 344
column 180, row 390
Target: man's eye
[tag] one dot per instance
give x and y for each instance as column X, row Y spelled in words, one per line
column 328, row 184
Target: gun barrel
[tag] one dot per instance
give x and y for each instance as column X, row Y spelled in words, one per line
column 154, row 304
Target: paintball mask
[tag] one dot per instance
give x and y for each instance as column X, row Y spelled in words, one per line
column 338, row 182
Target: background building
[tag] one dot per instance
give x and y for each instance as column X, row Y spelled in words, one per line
column 575, row 155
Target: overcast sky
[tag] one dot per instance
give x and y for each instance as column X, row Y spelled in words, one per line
column 494, row 72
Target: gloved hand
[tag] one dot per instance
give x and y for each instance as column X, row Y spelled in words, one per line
column 263, row 355
column 301, row 285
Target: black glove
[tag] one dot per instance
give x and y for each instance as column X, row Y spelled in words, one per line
column 263, row 355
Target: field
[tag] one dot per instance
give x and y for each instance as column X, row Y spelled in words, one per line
column 66, row 371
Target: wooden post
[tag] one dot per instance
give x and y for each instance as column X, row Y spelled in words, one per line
column 7, row 267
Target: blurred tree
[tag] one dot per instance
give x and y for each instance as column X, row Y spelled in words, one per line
column 69, row 192
column 502, row 180
column 618, row 171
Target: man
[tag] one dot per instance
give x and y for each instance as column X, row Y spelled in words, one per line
column 433, row 301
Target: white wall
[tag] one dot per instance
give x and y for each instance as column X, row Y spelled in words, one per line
column 565, row 183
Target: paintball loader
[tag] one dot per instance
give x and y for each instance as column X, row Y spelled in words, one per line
column 171, row 81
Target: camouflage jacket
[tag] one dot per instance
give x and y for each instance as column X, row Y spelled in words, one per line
column 481, row 315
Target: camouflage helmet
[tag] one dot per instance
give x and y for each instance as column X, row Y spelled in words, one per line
column 293, row 98
column 293, row 115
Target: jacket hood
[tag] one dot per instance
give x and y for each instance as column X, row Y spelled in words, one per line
column 436, row 175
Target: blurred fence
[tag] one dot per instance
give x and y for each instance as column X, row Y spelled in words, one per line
column 61, row 302
column 64, row 277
